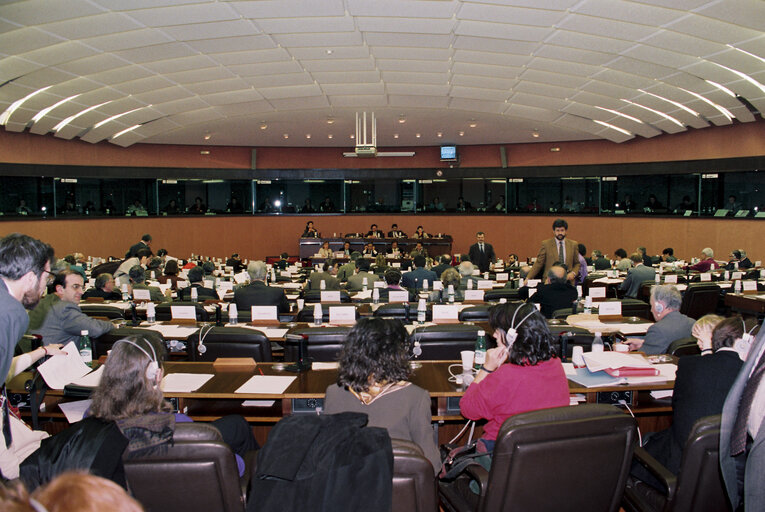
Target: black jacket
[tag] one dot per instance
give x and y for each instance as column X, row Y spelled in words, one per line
column 258, row 293
column 553, row 297
column 331, row 462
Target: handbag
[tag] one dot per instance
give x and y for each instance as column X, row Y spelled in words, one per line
column 455, row 458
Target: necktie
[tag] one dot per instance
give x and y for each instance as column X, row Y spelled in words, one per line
column 738, row 435
column 561, row 256
column 481, row 246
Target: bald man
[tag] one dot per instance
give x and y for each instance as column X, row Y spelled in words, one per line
column 557, row 292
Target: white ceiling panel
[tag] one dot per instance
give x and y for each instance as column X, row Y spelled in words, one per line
column 626, row 80
column 603, row 27
column 608, row 89
column 320, row 40
column 631, row 12
column 485, row 44
column 62, row 52
column 588, row 42
column 233, row 59
column 199, row 75
column 342, row 53
column 493, row 59
column 574, row 68
column 119, row 75
column 533, row 113
column 362, row 77
column 746, row 13
column 27, row 39
column 470, row 105
column 404, row 8
column 578, row 123
column 739, row 61
column 370, row 89
column 559, row 79
column 421, row 89
column 232, row 44
column 509, row 15
column 640, row 67
column 477, row 94
column 169, row 108
column 464, row 68
column 361, row 102
column 300, row 103
column 181, row 64
column 168, row 94
column 127, row 40
column 484, row 82
column 192, row 117
column 303, row 25
column 403, row 77
column 160, row 52
column 395, row 52
column 213, row 86
column 713, row 30
column 212, row 30
column 683, row 43
column 574, row 55
column 227, row 98
column 92, row 65
column 297, row 91
column 48, row 76
column 257, row 80
column 44, row 11
column 367, row 64
column 414, row 40
column 184, row 14
column 13, row 67
column 660, row 56
column 245, row 109
column 543, row 89
column 399, row 25
column 406, row 101
column 414, row 66
column 496, row 30
column 597, row 100
column 536, row 100
column 92, row 26
column 262, row 9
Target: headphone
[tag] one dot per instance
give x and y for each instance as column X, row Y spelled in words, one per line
column 512, row 333
column 152, row 368
column 659, row 307
column 744, row 343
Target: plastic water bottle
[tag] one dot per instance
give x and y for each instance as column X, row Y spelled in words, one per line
column 480, row 350
column 425, row 285
column 657, row 278
column 273, row 275
column 737, row 286
column 376, row 296
column 194, row 294
column 85, row 348
column 421, row 311
column 364, row 284
column 151, row 314
column 125, row 292
column 233, row 314
column 451, row 293
column 597, row 343
column 469, row 284
column 317, row 313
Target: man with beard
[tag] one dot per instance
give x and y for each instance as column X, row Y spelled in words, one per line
column 560, row 250
column 24, row 271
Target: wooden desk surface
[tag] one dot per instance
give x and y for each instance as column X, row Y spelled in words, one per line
column 745, row 303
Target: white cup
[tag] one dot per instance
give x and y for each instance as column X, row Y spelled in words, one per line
column 621, row 347
column 577, row 357
column 467, row 360
column 300, row 304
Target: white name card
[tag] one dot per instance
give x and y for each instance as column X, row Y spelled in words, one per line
column 225, row 285
column 141, row 294
column 181, row 284
column 330, row 296
column 398, row 296
column 342, row 315
column 485, row 284
column 532, row 283
column 396, row 264
column 445, row 312
column 737, row 275
column 598, row 292
column 183, row 312
column 476, row 272
column 476, row 295
column 610, row 308
column 706, row 276
column 379, row 284
column 264, row 313
column 749, row 286
column 671, row 278
column 503, row 276
column 285, row 273
column 164, row 287
column 438, row 285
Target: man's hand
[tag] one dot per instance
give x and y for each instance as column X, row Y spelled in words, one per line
column 571, row 276
column 634, row 343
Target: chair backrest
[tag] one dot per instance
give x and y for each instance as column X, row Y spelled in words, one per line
column 306, row 314
column 684, row 347
column 699, row 485
column 445, row 342
column 564, row 458
column 636, row 307
column 503, row 293
column 104, row 343
column 197, row 472
column 102, row 310
column 324, row 343
column 164, row 313
column 229, row 342
column 414, row 487
column 315, row 296
column 479, row 313
column 574, row 336
column 700, row 299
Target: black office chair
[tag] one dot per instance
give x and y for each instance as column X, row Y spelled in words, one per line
column 414, row 488
column 636, row 307
column 700, row 299
column 510, row 294
column 229, row 342
column 697, row 488
column 564, row 458
column 684, row 347
column 164, row 313
column 445, row 342
column 102, row 310
column 479, row 313
column 570, row 336
column 323, row 343
column 103, row 343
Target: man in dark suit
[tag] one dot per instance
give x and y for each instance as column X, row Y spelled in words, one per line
column 414, row 278
column 557, row 293
column 104, row 288
column 258, row 293
column 235, row 262
column 482, row 254
column 196, row 279
column 395, row 232
column 144, row 243
column 445, row 262
column 374, row 232
column 599, row 262
column 638, row 274
column 558, row 249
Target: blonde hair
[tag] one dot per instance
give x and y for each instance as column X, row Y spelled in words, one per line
column 702, row 330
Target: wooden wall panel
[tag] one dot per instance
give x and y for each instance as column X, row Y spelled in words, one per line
column 257, row 237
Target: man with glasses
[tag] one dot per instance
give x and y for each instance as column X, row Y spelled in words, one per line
column 65, row 321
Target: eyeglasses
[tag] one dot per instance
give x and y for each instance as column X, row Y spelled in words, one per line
column 50, row 278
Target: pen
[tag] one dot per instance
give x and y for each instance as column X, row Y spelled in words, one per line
column 261, row 371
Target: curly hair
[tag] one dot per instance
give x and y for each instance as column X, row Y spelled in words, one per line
column 124, row 390
column 534, row 343
column 727, row 332
column 376, row 350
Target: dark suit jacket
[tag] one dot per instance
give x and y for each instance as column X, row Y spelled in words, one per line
column 95, row 292
column 635, row 278
column 135, row 248
column 439, row 269
column 601, row 264
column 553, row 297
column 548, row 256
column 415, row 278
column 202, row 293
column 482, row 259
column 258, row 293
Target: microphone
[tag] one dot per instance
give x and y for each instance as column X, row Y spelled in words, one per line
column 218, row 317
column 134, row 315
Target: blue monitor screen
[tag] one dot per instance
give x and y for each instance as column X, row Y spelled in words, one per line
column 448, row 152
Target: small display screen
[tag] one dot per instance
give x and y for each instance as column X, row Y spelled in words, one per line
column 448, row 152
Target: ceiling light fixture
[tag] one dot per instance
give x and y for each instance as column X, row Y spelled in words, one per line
column 207, row 136
column 724, row 111
column 16, row 104
column 45, row 111
column 401, row 119
column 473, row 124
column 330, row 136
column 620, row 130
column 330, row 120
column 123, row 132
column 395, row 135
column 307, row 135
column 535, row 134
column 286, row 135
column 678, row 105
column 117, row 116
column 722, row 88
column 462, row 134
column 744, row 76
column 263, row 125
column 71, row 118
column 417, row 135
column 617, row 113
column 657, row 112
column 439, row 134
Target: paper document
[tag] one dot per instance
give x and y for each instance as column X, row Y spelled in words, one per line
column 60, row 370
column 74, row 411
column 172, row 331
column 596, row 361
column 266, row 384
column 318, row 365
column 184, row 382
column 91, row 380
column 258, row 403
column 569, row 369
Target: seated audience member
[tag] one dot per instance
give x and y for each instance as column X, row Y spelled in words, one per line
column 444, row 262
column 621, row 261
column 325, row 251
column 345, row 271
column 414, row 278
column 685, row 205
column 310, row 231
column 393, row 283
column 69, row 259
column 395, row 250
column 701, row 385
column 327, row 206
column 234, row 206
column 395, row 232
column 522, row 373
column 104, row 288
column 381, row 265
column 738, row 260
column 557, row 292
column 636, row 276
column 170, row 274
column 702, row 331
column 647, row 261
column 707, row 261
column 670, row 324
column 172, row 207
column 450, row 276
column 582, row 275
column 374, row 232
column 420, row 233
column 136, row 209
column 668, row 255
column 235, row 262
column 347, row 249
column 154, row 268
column 369, row 250
column 142, row 257
column 599, row 262
column 466, row 270
column 138, row 282
column 307, row 206
column 745, row 261
column 198, row 207
column 418, row 250
column 283, row 262
column 64, row 321
column 197, row 282
column 328, row 275
column 653, row 204
column 356, row 281
column 258, row 293
column 209, row 269
column 373, row 379
column 513, row 261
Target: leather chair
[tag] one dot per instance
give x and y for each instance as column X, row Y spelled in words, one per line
column 573, row 335
column 197, row 473
column 306, row 314
column 315, row 296
column 324, row 343
column 414, row 485
column 698, row 487
column 164, row 313
column 445, row 342
column 229, row 342
column 510, row 294
column 564, row 458
column 104, row 343
column 479, row 313
column 636, row 307
column 700, row 299
column 684, row 347
column 398, row 310
column 102, row 310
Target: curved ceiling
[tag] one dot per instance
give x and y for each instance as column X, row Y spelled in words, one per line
column 294, row 72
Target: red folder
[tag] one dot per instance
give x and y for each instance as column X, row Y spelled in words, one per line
column 627, row 371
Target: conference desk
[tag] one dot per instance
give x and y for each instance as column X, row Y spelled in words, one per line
column 435, row 246
column 746, row 303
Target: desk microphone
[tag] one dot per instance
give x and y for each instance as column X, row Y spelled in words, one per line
column 218, row 318
column 133, row 315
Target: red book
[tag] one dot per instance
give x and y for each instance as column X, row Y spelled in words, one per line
column 627, row 371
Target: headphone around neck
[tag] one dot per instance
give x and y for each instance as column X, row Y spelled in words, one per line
column 152, row 368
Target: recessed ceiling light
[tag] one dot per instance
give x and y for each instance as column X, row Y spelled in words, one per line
column 263, row 125
column 207, row 136
column 307, row 135
column 286, row 135
column 473, row 124
column 395, row 135
column 417, row 135
column 330, row 136
column 352, row 136
column 462, row 134
column 401, row 119
column 439, row 134
column 535, row 134
column 329, row 52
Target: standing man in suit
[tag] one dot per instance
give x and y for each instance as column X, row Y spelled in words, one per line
column 742, row 433
column 636, row 276
column 482, row 254
column 258, row 293
column 558, row 249
column 144, row 243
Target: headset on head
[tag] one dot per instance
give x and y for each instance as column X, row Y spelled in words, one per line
column 744, row 343
column 152, row 368
column 512, row 333
column 659, row 307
